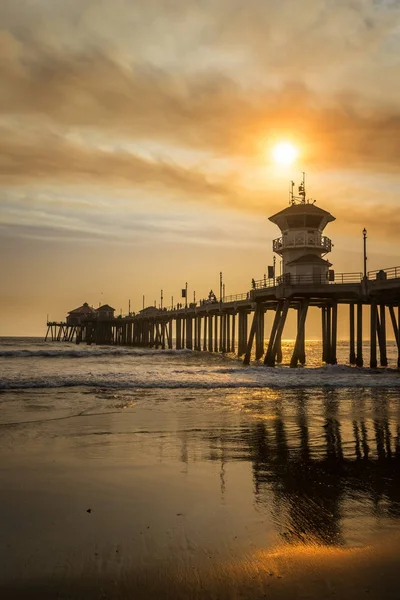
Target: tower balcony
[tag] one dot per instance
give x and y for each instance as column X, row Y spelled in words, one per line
column 302, row 239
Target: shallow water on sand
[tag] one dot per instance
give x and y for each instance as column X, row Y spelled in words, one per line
column 147, row 482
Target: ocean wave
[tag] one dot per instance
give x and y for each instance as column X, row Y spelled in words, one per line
column 84, row 353
column 339, row 376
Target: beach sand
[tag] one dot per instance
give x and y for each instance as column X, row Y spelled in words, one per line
column 203, row 494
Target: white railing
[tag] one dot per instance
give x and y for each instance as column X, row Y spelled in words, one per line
column 303, row 239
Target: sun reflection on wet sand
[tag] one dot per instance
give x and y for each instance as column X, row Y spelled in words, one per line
column 286, row 571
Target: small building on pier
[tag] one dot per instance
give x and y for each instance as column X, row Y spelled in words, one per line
column 76, row 316
column 105, row 312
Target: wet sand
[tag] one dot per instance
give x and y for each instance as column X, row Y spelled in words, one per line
column 208, row 494
column 281, row 572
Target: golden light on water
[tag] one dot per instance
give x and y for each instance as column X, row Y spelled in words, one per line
column 284, row 153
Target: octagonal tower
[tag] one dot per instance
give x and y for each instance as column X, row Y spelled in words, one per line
column 302, row 244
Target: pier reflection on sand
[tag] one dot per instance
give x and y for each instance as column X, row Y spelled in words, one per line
column 324, row 469
column 204, row 494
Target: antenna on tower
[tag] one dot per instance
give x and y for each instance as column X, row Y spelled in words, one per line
column 302, row 189
column 291, row 199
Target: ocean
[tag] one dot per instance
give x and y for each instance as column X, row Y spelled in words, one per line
column 139, row 473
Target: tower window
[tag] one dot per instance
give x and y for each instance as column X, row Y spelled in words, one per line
column 297, row 221
column 312, row 221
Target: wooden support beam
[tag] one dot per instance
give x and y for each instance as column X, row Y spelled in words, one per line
column 260, row 334
column 205, row 334
column 156, row 337
column 228, row 332
column 299, row 350
column 324, row 335
column 163, row 332
column 395, row 326
column 359, row 357
column 352, row 349
column 277, row 347
column 246, row 360
column 178, row 334
column 328, row 332
column 302, row 341
column 274, row 344
column 215, row 333
column 333, row 351
column 269, row 358
column 195, row 332
column 210, row 333
column 279, row 355
column 233, row 344
column 373, row 331
column 189, row 333
column 382, row 336
column 245, row 330
column 170, row 334
column 223, row 319
column 241, row 348
column 221, row 327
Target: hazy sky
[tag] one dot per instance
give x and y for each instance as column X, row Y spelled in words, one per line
column 136, row 142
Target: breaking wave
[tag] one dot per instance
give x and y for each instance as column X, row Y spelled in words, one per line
column 338, row 376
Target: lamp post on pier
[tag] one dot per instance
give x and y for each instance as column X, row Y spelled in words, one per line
column 184, row 295
column 365, row 252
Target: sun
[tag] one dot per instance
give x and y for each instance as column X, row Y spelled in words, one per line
column 284, row 153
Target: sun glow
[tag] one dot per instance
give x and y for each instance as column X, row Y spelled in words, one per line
column 284, row 153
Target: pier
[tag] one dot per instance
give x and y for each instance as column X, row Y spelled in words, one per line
column 239, row 324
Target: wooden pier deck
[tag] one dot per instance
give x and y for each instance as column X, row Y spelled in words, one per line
column 237, row 323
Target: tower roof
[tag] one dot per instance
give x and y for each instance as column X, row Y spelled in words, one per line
column 302, row 215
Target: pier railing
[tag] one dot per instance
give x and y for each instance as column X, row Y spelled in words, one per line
column 382, row 274
column 236, row 297
column 264, row 283
column 309, row 279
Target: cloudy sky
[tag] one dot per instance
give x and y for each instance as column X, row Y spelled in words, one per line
column 136, row 140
